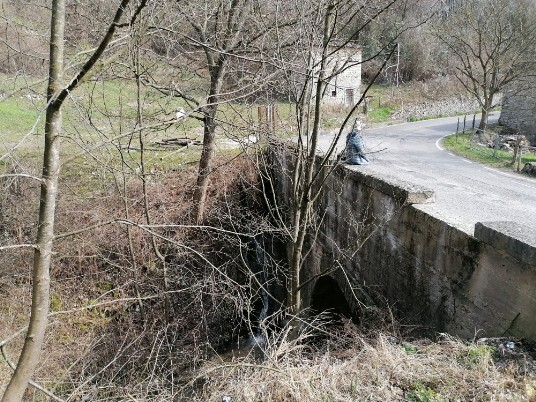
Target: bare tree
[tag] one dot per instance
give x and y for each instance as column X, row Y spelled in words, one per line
column 326, row 34
column 56, row 96
column 216, row 49
column 491, row 43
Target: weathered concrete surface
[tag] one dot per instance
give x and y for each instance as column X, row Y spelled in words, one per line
column 431, row 273
column 517, row 240
column 402, row 191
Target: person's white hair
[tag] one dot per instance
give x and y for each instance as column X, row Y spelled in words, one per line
column 358, row 126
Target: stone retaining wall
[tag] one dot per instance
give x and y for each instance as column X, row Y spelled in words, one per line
column 431, row 274
column 446, row 107
column 519, row 109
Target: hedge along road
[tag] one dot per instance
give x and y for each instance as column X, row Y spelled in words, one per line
column 466, row 192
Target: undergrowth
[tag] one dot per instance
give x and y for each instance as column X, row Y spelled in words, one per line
column 119, row 313
column 464, row 145
column 355, row 365
column 128, row 326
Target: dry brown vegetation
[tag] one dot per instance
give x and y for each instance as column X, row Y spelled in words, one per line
column 109, row 339
column 145, row 306
column 356, row 366
column 126, row 329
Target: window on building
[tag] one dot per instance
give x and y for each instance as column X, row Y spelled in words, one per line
column 334, row 92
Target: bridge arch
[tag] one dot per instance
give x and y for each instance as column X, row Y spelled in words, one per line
column 327, row 296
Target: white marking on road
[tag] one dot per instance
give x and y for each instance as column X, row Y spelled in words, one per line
column 438, row 142
column 512, row 177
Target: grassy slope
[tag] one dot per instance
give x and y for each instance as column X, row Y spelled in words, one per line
column 464, row 145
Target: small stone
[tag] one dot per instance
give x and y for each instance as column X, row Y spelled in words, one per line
column 529, row 168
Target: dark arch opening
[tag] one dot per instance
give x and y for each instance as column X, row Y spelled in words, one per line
column 328, row 297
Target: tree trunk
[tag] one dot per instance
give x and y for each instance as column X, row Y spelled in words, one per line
column 33, row 343
column 56, row 95
column 304, row 199
column 209, row 141
column 205, row 163
column 485, row 114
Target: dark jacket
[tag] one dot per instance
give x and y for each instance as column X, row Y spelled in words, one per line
column 355, row 150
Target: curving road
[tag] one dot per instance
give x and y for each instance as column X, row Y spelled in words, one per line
column 466, row 192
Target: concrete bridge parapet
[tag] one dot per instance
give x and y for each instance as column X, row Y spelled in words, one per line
column 431, row 273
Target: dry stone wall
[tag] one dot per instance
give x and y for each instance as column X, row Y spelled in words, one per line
column 519, row 108
column 436, row 108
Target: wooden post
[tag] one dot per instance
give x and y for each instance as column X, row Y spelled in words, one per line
column 464, row 118
column 266, row 117
column 496, row 145
column 268, row 126
column 519, row 152
column 516, row 150
column 262, row 115
column 457, row 129
column 366, row 104
column 474, row 119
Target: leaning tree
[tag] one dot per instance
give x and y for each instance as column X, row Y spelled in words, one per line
column 57, row 94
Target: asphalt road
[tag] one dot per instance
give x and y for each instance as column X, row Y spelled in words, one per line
column 466, row 192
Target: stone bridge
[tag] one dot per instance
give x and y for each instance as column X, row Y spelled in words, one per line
column 381, row 248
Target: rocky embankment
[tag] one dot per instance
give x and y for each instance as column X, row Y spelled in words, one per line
column 436, row 108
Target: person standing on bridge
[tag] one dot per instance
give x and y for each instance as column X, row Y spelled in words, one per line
column 355, row 150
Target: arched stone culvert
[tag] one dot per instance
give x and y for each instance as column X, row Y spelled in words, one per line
column 327, row 297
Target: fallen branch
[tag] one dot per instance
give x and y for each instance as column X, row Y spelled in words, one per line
column 185, row 142
column 18, row 246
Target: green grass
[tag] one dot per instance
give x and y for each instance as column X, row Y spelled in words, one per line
column 461, row 145
column 382, row 93
column 94, row 117
column 17, row 117
column 379, row 114
column 414, row 118
column 421, row 393
column 479, row 353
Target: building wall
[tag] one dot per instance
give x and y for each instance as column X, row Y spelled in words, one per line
column 519, row 108
column 345, row 87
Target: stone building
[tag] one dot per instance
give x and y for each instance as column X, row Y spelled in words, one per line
column 344, row 67
column 519, row 108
